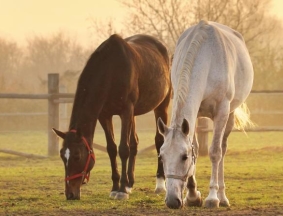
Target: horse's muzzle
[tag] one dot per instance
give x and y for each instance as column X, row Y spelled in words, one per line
column 72, row 196
column 174, row 191
column 174, row 203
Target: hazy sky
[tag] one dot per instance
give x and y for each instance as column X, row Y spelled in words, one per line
column 21, row 19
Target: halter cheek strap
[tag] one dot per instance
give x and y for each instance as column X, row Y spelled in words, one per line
column 185, row 177
column 84, row 173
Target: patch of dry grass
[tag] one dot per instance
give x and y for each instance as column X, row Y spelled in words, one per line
column 253, row 173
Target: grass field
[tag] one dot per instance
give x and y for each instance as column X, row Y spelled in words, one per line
column 253, row 173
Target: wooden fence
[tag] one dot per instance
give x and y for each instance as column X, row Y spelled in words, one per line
column 54, row 98
column 53, row 108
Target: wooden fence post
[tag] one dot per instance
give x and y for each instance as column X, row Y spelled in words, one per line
column 202, row 136
column 63, row 111
column 53, row 114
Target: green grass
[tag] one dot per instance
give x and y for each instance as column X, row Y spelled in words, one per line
column 253, row 173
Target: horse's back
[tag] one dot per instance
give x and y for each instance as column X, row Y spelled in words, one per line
column 222, row 67
column 236, row 63
column 147, row 40
column 141, row 74
column 151, row 65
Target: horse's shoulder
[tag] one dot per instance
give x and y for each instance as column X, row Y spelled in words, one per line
column 188, row 34
column 108, row 44
column 117, row 39
column 116, row 36
column 212, row 28
column 146, row 44
column 143, row 40
column 226, row 30
column 185, row 34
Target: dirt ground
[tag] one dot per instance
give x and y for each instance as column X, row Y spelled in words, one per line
column 267, row 211
column 247, row 212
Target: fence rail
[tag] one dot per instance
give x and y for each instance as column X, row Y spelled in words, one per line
column 37, row 96
column 55, row 98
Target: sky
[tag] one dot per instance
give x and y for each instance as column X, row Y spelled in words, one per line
column 23, row 19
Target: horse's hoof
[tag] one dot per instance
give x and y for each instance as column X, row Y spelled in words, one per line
column 160, row 186
column 197, row 202
column 211, row 203
column 129, row 190
column 113, row 194
column 160, row 190
column 122, row 196
column 224, row 203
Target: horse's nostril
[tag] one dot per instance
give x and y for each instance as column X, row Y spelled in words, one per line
column 174, row 204
column 179, row 203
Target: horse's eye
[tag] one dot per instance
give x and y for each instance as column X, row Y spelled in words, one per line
column 77, row 157
column 184, row 157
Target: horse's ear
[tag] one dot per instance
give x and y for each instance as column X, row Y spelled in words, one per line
column 59, row 133
column 185, row 127
column 162, row 128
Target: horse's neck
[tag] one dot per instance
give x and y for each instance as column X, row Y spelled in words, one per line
column 84, row 117
column 188, row 110
column 86, row 129
column 192, row 92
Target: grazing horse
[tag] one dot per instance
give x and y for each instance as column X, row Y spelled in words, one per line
column 125, row 77
column 212, row 76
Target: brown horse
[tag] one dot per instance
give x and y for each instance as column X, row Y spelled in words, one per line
column 125, row 77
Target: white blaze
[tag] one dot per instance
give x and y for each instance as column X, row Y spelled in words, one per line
column 67, row 155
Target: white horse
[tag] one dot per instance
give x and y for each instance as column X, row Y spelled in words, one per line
column 212, row 76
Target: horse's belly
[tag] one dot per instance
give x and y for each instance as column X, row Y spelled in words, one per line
column 146, row 100
column 207, row 108
column 150, row 101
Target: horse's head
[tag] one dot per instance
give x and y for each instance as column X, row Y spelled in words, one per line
column 178, row 157
column 78, row 158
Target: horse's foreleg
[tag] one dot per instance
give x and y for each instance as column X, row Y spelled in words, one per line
column 106, row 123
column 193, row 196
column 159, row 140
column 132, row 159
column 160, row 177
column 221, row 192
column 127, row 119
column 215, row 152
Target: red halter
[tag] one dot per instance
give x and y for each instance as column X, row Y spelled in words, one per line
column 84, row 174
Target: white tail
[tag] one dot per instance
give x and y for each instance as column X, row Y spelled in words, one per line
column 242, row 118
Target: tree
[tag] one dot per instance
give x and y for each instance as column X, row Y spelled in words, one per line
column 167, row 19
column 102, row 29
column 10, row 61
column 163, row 19
column 55, row 54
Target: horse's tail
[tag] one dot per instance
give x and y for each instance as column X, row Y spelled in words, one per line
column 242, row 118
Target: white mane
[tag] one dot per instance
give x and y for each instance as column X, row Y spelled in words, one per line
column 184, row 75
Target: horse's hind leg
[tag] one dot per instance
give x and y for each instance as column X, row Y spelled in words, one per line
column 160, row 111
column 221, row 192
column 132, row 158
column 127, row 118
column 106, row 123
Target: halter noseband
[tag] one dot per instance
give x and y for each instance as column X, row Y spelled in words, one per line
column 84, row 173
column 185, row 177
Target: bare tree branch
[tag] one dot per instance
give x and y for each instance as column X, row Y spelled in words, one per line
column 168, row 19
